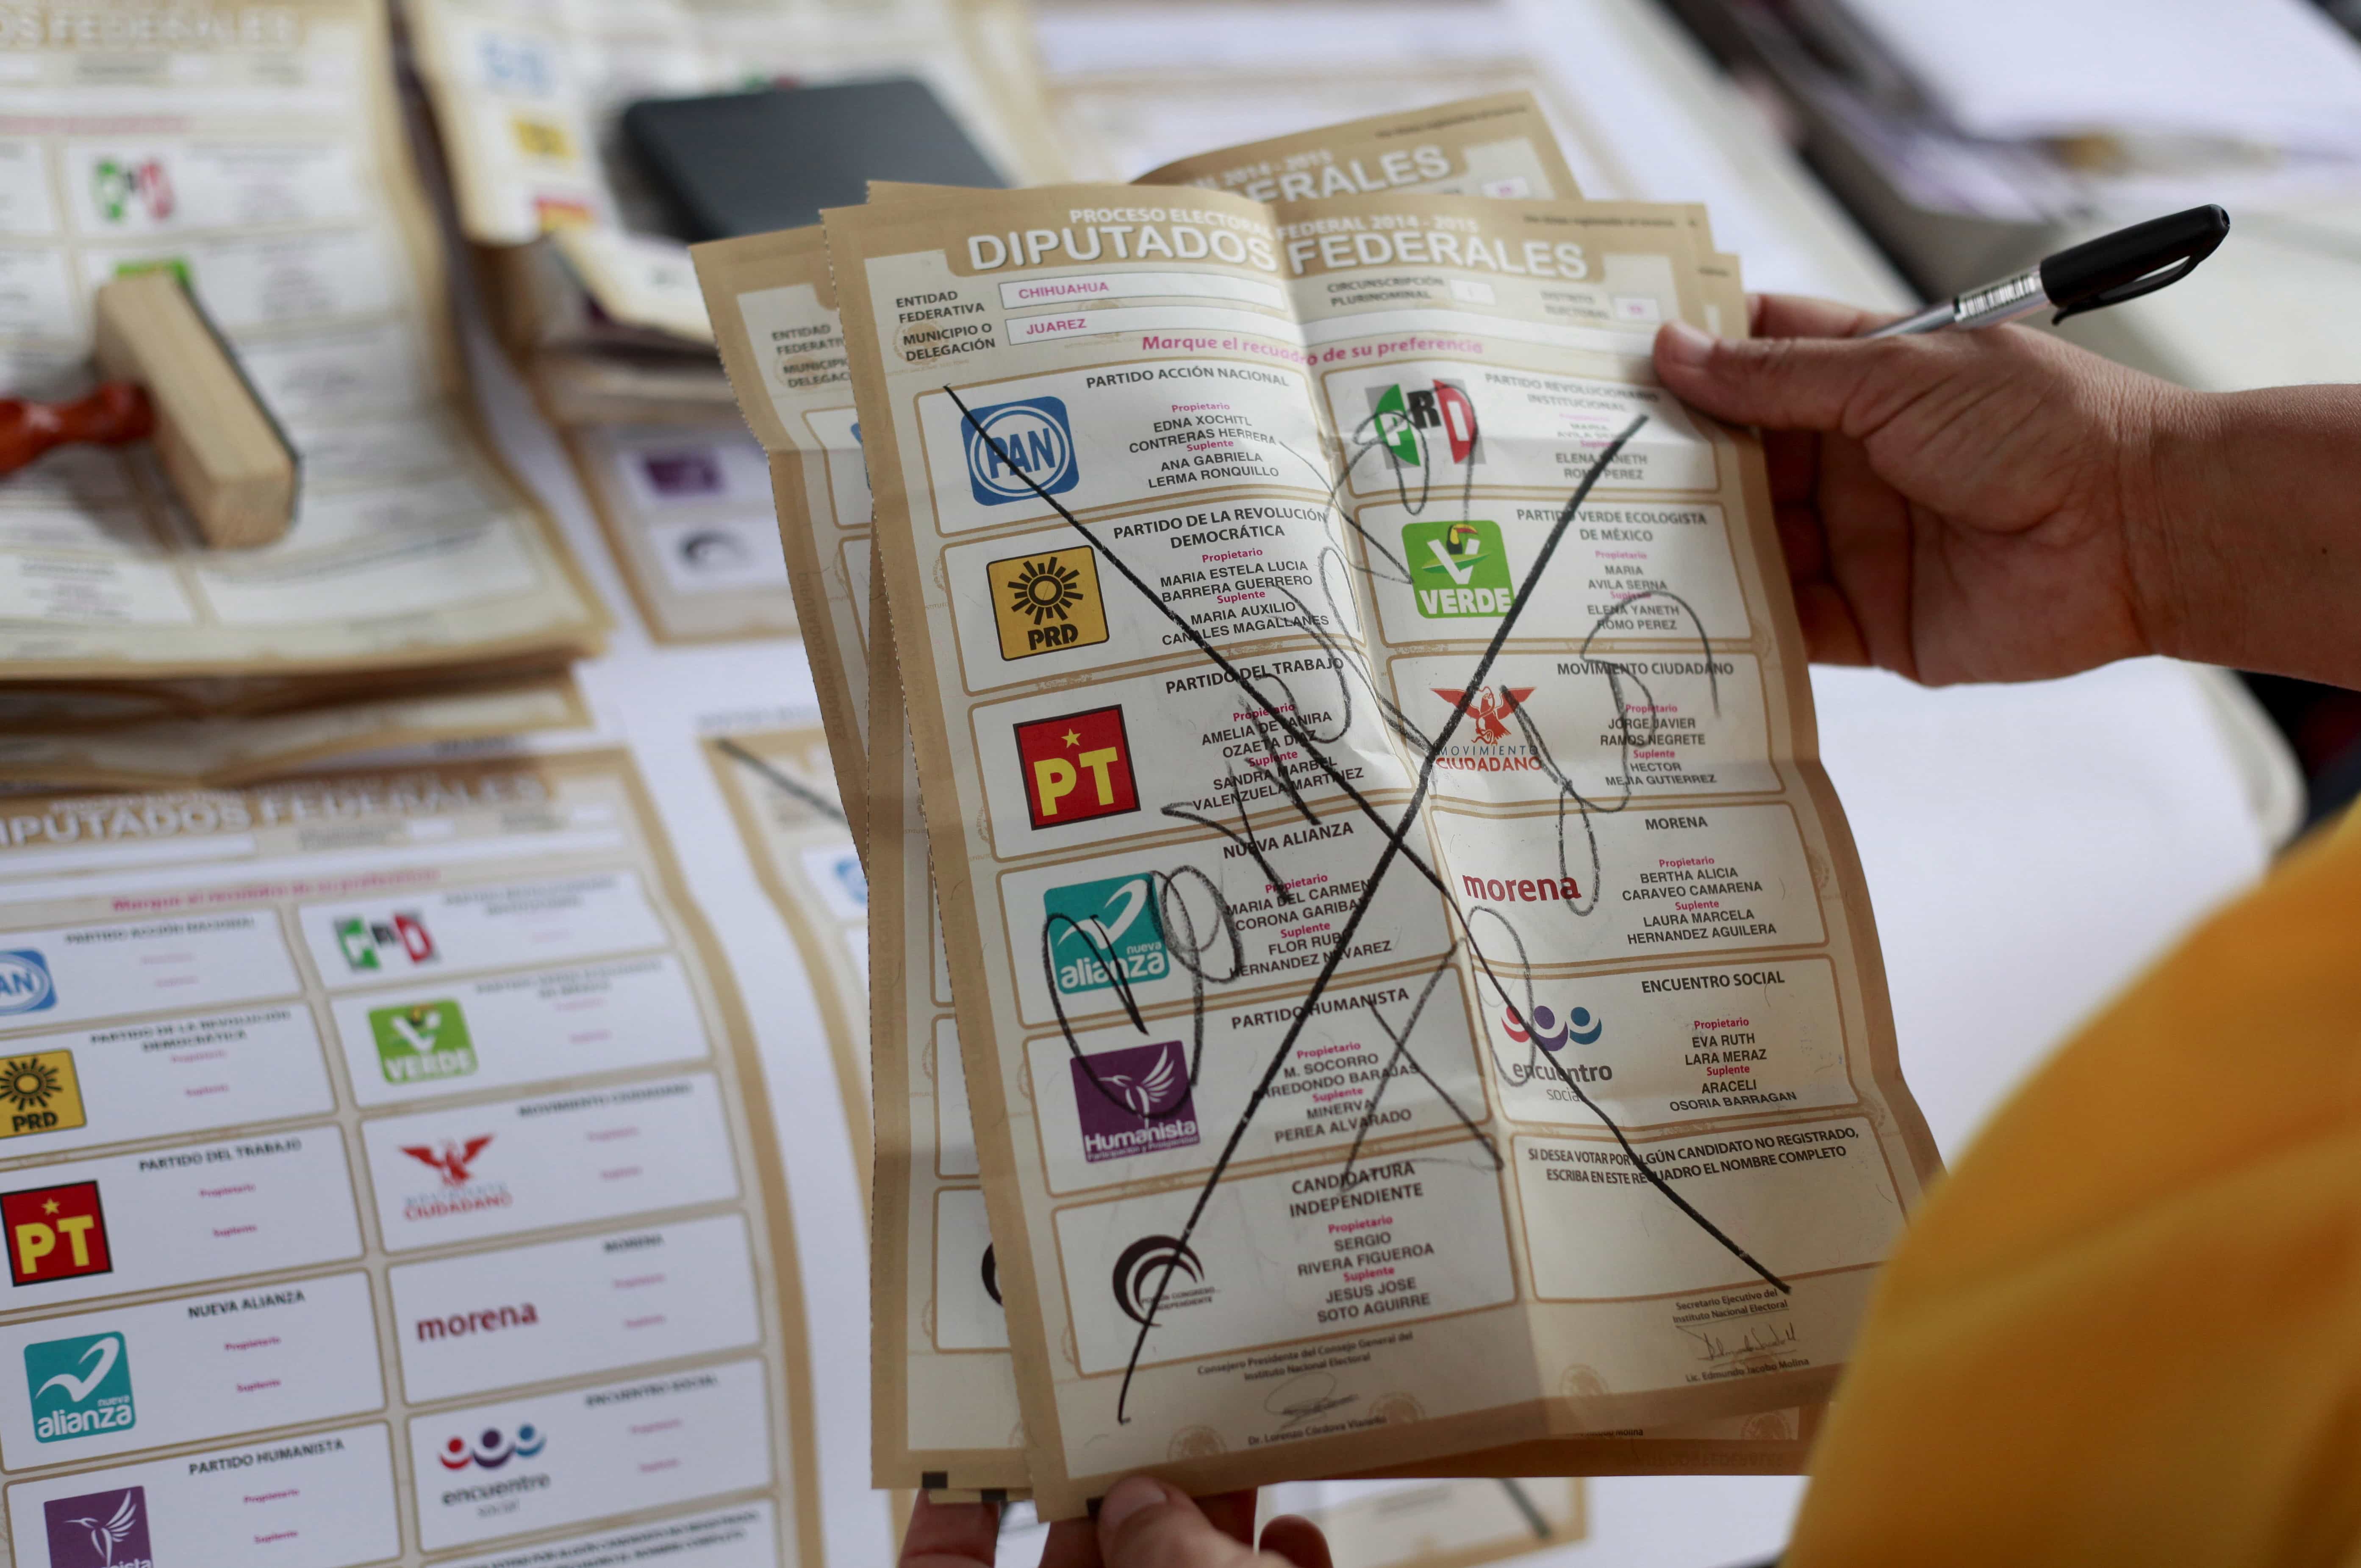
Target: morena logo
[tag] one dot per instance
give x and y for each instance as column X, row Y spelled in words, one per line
column 1012, row 448
column 1399, row 417
column 1522, row 889
column 492, row 1448
column 25, row 982
column 1147, row 1269
column 485, row 1320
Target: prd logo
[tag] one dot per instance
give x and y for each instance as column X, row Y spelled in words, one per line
column 25, row 982
column 118, row 184
column 80, row 1387
column 1490, row 712
column 422, row 1041
column 1101, row 929
column 99, row 1530
column 38, row 1093
column 1133, row 1100
column 1457, row 568
column 1077, row 767
column 1012, row 447
column 1043, row 604
column 55, row 1233
column 367, row 943
column 1444, row 406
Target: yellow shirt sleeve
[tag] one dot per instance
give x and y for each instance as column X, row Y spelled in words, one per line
column 2127, row 1329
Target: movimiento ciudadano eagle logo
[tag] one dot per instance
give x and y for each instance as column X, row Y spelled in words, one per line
column 1011, row 447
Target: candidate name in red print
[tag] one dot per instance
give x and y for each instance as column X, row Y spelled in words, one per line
column 55, row 1233
column 1077, row 767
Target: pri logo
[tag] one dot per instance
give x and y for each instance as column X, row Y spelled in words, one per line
column 1152, row 1264
column 99, row 1530
column 366, row 943
column 80, row 1387
column 1401, row 417
column 1077, row 767
column 55, row 1233
column 117, row 185
column 1042, row 604
column 1011, row 447
column 492, row 1447
column 25, row 982
column 423, row 1041
column 1491, row 710
column 1542, row 1028
column 1133, row 1100
column 1457, row 569
column 1100, row 929
column 41, row 1093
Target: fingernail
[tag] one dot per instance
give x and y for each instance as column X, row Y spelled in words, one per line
column 1127, row 1497
column 1684, row 345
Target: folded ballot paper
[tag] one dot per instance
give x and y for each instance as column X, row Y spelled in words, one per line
column 1404, row 996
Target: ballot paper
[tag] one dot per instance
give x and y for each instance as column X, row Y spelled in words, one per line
column 218, row 752
column 1275, row 1166
column 390, row 1147
column 685, row 510
column 258, row 155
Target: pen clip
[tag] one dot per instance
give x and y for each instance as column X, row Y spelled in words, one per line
column 2161, row 277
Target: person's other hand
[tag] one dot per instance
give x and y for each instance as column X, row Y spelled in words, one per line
column 1958, row 506
column 1142, row 1523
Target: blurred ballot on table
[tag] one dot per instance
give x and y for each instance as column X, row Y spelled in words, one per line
column 266, row 174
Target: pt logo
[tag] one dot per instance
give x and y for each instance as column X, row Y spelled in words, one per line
column 1153, row 1265
column 423, row 1041
column 25, row 982
column 492, row 1447
column 55, row 1233
column 38, row 1093
column 1133, row 1100
column 1101, row 929
column 1011, row 447
column 99, row 1530
column 366, row 944
column 1044, row 604
column 1491, row 710
column 1457, row 569
column 1077, row 767
column 1402, row 417
column 80, row 1387
column 117, row 185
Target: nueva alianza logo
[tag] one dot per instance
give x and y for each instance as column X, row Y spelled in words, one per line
column 80, row 1387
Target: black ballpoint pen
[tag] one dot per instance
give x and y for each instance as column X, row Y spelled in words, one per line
column 2104, row 272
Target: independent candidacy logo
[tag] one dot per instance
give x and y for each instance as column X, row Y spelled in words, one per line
column 1012, row 447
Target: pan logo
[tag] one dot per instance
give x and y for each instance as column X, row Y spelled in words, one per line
column 25, row 982
column 1401, row 417
column 1012, row 447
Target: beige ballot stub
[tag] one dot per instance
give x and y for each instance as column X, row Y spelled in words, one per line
column 1411, row 921
column 387, row 1177
column 686, row 511
column 1499, row 144
column 943, row 1408
column 783, row 799
column 773, row 303
column 262, row 161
